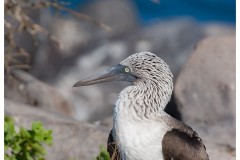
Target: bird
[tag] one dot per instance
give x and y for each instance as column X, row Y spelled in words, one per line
column 142, row 130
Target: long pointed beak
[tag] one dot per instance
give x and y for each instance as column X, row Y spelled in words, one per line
column 113, row 74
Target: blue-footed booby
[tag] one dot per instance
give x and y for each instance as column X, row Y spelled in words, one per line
column 142, row 130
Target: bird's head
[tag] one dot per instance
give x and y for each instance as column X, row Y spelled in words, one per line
column 140, row 67
column 150, row 76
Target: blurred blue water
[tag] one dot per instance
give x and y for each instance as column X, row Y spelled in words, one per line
column 201, row 10
column 223, row 11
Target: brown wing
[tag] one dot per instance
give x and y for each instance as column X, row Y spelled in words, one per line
column 112, row 148
column 178, row 145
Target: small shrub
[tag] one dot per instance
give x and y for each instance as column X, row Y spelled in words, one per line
column 26, row 144
column 103, row 154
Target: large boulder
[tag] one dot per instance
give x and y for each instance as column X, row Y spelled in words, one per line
column 23, row 88
column 71, row 139
column 205, row 91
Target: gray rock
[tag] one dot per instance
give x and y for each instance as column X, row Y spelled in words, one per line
column 205, row 91
column 107, row 122
column 121, row 15
column 28, row 90
column 220, row 152
column 71, row 139
column 214, row 29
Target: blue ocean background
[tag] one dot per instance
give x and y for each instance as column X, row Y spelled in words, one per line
column 222, row 11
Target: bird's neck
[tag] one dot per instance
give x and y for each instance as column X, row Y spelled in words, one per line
column 143, row 100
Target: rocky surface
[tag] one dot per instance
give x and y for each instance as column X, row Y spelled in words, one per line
column 205, row 91
column 220, row 151
column 71, row 139
column 26, row 89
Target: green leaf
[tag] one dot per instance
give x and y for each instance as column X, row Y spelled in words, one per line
column 37, row 127
column 38, row 147
column 103, row 155
column 25, row 144
column 24, row 133
column 9, row 130
column 16, row 149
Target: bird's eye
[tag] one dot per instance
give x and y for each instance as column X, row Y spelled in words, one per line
column 126, row 69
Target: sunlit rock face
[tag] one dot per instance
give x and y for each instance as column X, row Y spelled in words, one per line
column 207, row 86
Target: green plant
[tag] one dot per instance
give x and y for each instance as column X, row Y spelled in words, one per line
column 25, row 144
column 103, row 154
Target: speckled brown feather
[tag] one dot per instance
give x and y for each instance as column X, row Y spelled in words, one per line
column 112, row 148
